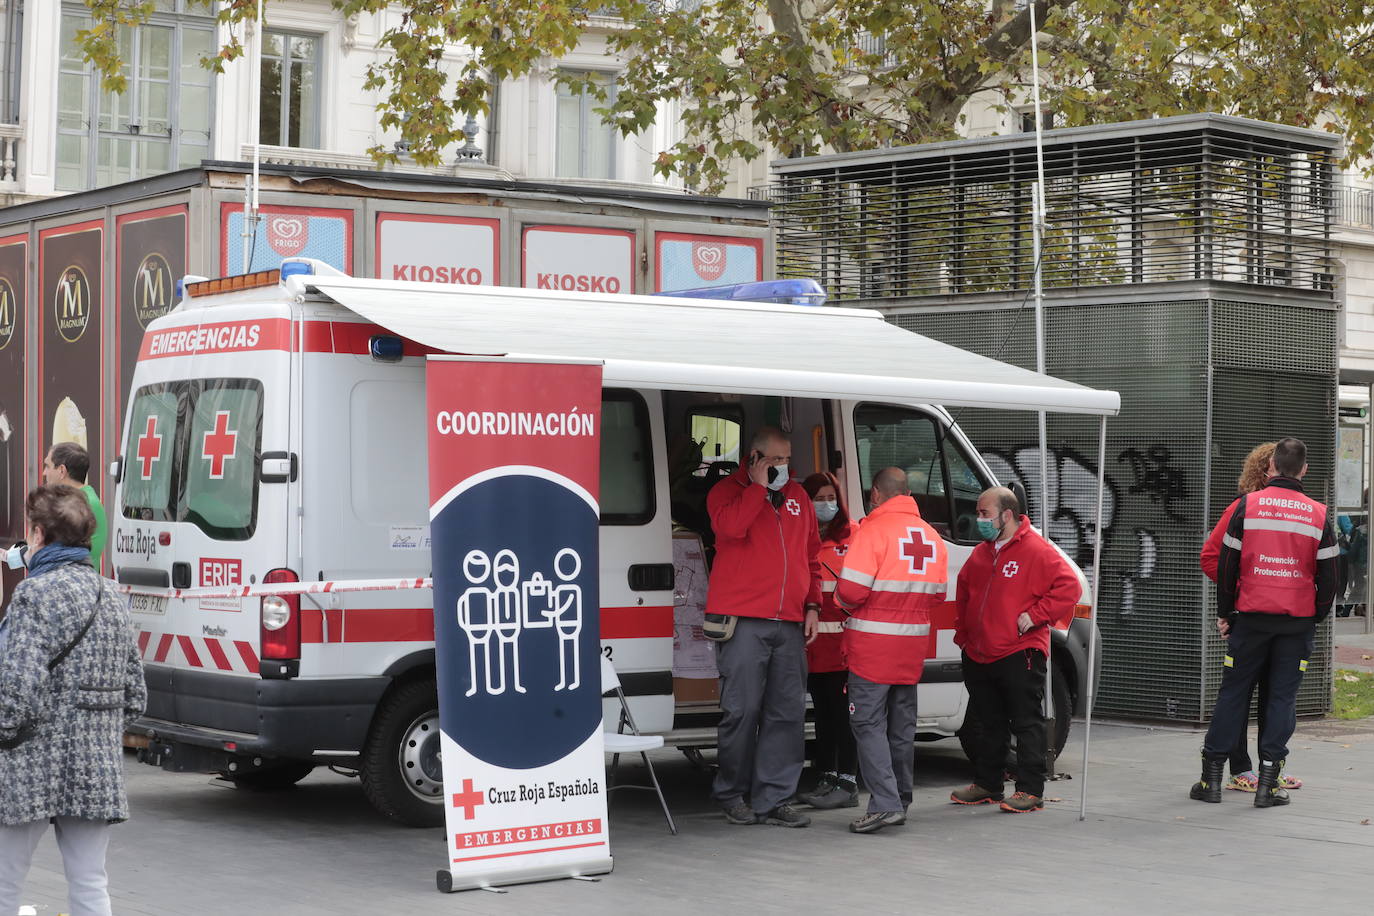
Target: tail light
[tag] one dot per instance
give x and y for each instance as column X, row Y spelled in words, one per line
column 281, row 619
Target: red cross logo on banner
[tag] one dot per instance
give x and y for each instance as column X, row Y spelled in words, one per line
column 468, row 800
column 917, row 550
column 219, row 444
column 149, row 448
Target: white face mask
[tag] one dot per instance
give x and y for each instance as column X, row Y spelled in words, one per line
column 780, row 480
column 16, row 556
column 826, row 509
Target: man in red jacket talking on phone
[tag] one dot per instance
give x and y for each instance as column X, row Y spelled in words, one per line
column 1013, row 587
column 767, row 575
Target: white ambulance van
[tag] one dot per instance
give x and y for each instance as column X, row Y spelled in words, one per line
column 270, row 509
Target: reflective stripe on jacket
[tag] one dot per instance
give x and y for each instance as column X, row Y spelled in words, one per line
column 895, row 574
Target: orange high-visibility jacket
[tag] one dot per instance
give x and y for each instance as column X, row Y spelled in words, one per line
column 895, row 574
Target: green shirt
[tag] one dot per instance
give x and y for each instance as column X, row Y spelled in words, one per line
column 102, row 529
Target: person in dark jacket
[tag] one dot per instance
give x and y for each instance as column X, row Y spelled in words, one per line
column 70, row 681
column 1276, row 580
column 766, row 575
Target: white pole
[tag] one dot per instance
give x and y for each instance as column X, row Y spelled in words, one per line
column 1096, row 606
column 250, row 194
column 1037, row 243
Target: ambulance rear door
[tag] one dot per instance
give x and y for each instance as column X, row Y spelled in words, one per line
column 203, row 502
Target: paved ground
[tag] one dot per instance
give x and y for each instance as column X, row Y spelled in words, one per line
column 1354, row 648
column 198, row 848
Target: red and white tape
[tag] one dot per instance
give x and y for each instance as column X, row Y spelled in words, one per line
column 279, row 588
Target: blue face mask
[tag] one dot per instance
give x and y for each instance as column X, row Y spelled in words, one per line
column 16, row 556
column 988, row 529
column 826, row 509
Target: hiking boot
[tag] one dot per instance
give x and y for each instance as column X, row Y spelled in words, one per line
column 840, row 794
column 1243, row 782
column 974, row 795
column 785, row 816
column 1208, row 788
column 740, row 814
column 1269, row 794
column 874, row 821
column 1022, row 803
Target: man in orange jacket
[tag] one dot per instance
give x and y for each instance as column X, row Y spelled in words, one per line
column 895, row 574
column 1012, row 589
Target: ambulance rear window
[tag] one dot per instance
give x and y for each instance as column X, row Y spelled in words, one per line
column 191, row 455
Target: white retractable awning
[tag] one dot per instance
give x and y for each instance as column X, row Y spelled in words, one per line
column 709, row 345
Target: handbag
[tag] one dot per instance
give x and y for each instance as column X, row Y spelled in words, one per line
column 719, row 627
column 29, row 729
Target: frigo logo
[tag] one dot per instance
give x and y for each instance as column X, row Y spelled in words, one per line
column 152, row 289
column 9, row 306
column 72, row 304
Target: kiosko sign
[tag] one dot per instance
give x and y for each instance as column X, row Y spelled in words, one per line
column 514, row 458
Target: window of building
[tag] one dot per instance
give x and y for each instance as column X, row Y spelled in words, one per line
column 1025, row 117
column 161, row 122
column 586, row 145
column 290, row 111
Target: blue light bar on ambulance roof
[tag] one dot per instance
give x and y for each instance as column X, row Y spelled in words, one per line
column 296, row 267
column 784, row 292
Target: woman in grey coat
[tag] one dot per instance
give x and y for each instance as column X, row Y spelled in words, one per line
column 66, row 692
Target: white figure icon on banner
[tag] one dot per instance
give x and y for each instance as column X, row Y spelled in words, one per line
column 509, row 607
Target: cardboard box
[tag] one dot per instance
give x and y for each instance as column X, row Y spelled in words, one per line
column 696, row 689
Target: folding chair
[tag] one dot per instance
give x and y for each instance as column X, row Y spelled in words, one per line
column 621, row 742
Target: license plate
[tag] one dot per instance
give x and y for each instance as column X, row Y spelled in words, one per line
column 147, row 604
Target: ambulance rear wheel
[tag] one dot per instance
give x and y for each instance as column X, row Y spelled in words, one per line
column 401, row 770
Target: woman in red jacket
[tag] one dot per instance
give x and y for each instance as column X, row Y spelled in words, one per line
column 836, row 755
column 1254, row 475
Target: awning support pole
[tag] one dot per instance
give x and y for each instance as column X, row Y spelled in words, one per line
column 1097, row 606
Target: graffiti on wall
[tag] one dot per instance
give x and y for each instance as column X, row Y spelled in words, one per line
column 1155, row 478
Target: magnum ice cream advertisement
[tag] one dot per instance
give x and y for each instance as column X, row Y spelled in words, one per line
column 151, row 258
column 69, row 396
column 13, row 295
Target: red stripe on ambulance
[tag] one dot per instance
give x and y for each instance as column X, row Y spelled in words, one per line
column 216, row 653
column 163, row 646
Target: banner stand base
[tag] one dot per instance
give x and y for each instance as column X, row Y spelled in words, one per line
column 443, row 878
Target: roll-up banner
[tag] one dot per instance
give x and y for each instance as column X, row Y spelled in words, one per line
column 514, row 466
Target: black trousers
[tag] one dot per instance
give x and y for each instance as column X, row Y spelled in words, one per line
column 1240, row 761
column 835, row 750
column 1250, row 650
column 1007, row 695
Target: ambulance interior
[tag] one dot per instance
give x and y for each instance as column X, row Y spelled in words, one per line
column 708, row 435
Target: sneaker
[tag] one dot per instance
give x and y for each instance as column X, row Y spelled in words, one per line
column 1242, row 782
column 785, row 816
column 1289, row 782
column 740, row 814
column 1022, row 803
column 974, row 795
column 874, row 821
column 840, row 795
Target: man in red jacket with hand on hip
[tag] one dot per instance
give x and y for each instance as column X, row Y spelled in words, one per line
column 1013, row 587
column 768, row 576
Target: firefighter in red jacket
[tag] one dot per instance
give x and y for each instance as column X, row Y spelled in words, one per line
column 766, row 574
column 1012, row 589
column 895, row 575
column 1276, row 579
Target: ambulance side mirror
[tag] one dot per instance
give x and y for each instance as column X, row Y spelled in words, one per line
column 117, row 469
column 278, row 467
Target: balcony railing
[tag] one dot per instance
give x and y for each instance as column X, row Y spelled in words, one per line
column 1354, row 207
column 10, row 137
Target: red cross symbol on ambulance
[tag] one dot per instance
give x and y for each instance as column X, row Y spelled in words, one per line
column 218, row 444
column 917, row 550
column 149, row 448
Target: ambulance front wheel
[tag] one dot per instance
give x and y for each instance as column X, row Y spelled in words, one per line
column 401, row 771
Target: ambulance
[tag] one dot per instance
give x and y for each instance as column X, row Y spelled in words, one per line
column 270, row 510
